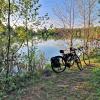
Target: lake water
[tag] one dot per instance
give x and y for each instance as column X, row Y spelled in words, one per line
column 51, row 48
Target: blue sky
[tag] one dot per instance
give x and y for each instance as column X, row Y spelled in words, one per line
column 47, row 7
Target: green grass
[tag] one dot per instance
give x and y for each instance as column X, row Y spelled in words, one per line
column 96, row 80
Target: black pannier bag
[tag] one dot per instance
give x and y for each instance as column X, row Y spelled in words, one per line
column 55, row 61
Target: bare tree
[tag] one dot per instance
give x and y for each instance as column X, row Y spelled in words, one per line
column 99, row 11
column 65, row 14
column 86, row 9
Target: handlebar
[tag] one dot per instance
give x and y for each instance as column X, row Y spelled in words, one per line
column 72, row 49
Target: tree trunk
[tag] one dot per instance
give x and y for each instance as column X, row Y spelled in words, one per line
column 8, row 46
column 28, row 51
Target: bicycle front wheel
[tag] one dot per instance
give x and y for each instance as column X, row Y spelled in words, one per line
column 78, row 62
column 58, row 65
column 86, row 59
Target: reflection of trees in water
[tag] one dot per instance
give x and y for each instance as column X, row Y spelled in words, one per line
column 45, row 33
column 60, row 43
column 20, row 63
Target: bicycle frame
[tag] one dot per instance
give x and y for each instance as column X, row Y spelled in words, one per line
column 69, row 56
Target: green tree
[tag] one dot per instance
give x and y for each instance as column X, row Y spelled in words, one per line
column 7, row 8
column 29, row 13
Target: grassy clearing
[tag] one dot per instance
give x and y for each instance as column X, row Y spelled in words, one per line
column 73, row 85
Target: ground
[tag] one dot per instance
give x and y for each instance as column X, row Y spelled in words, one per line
column 69, row 85
column 65, row 86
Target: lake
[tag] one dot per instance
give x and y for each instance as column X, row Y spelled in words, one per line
column 51, row 48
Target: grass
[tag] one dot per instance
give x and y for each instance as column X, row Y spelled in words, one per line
column 96, row 80
column 66, row 86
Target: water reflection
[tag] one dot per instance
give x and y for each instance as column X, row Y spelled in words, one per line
column 51, row 47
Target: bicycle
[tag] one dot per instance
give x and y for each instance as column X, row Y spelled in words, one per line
column 59, row 63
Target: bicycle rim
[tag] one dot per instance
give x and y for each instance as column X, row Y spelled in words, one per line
column 79, row 64
column 86, row 59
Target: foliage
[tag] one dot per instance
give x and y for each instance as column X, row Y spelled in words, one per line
column 27, row 10
column 15, row 82
column 2, row 28
column 21, row 32
column 4, row 8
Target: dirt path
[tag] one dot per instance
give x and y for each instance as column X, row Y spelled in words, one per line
column 71, row 85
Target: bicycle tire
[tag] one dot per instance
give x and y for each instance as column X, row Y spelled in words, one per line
column 59, row 69
column 79, row 64
column 86, row 59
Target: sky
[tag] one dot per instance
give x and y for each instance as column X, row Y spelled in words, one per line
column 48, row 5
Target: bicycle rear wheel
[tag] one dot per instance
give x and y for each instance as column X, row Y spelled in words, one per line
column 58, row 65
column 78, row 62
column 86, row 59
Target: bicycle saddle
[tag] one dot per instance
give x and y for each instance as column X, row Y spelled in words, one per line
column 61, row 51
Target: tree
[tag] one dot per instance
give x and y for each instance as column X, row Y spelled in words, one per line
column 66, row 15
column 7, row 9
column 29, row 12
column 99, row 10
column 86, row 9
